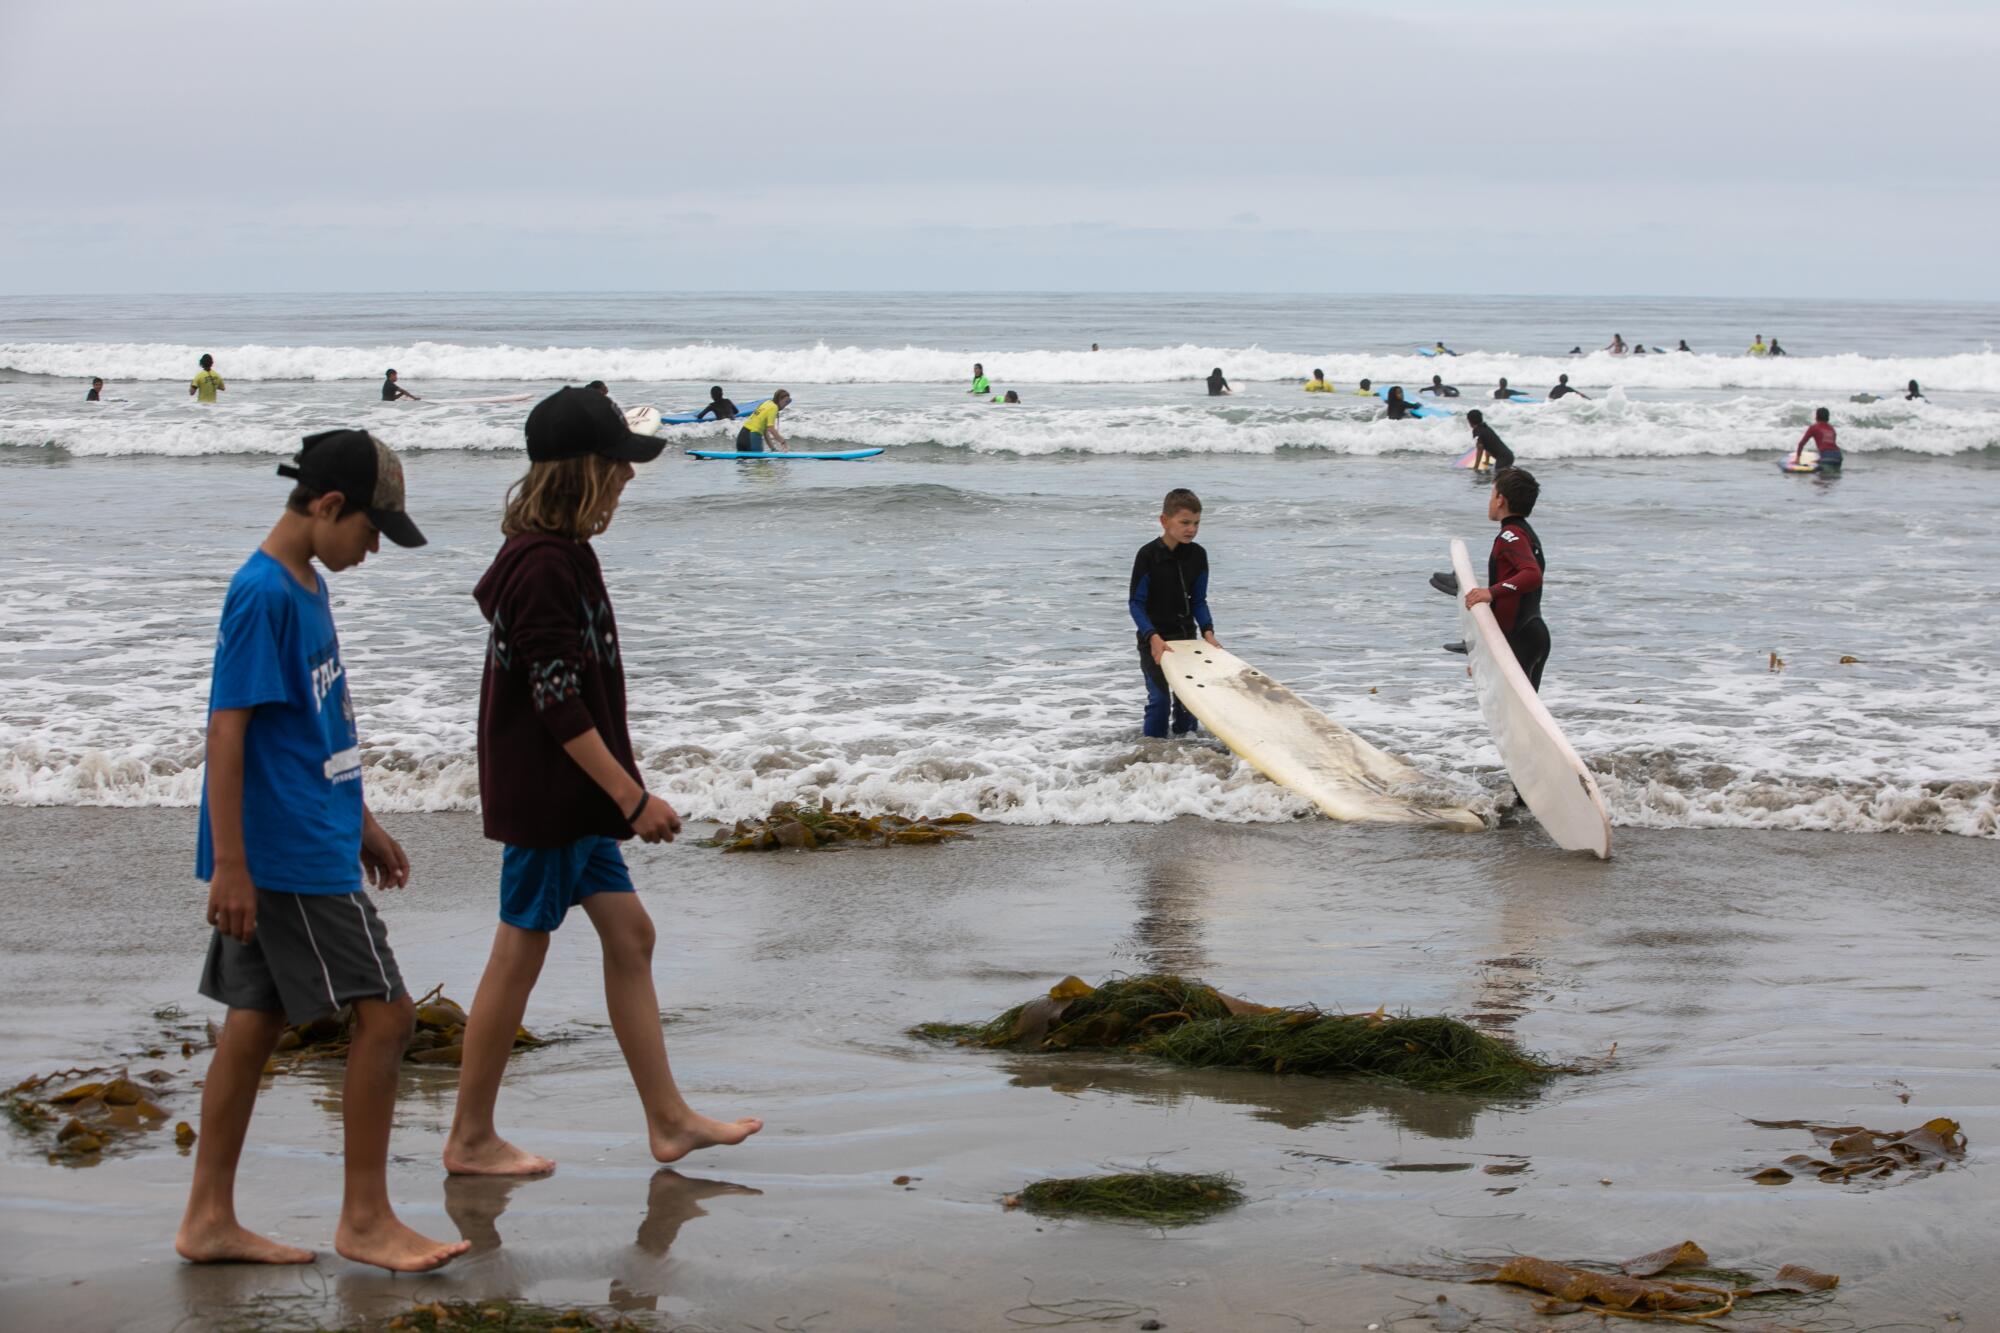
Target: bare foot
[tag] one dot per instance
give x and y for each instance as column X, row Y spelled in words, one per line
column 674, row 1142
column 495, row 1157
column 230, row 1243
column 391, row 1245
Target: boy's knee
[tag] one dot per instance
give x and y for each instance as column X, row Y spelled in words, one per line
column 633, row 943
column 387, row 1021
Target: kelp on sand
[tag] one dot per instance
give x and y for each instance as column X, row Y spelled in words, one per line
column 439, row 1038
column 808, row 828
column 300, row 1315
column 1189, row 1022
column 1157, row 1198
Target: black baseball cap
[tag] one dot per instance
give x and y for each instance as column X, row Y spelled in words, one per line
column 573, row 423
column 363, row 469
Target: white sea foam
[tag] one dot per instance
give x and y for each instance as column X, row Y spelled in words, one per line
column 823, row 364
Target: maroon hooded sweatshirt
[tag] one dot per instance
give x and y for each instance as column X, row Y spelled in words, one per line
column 552, row 673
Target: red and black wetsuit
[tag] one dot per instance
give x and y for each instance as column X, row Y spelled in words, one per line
column 1821, row 437
column 1514, row 574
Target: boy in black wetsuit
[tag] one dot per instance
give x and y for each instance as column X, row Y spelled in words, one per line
column 1168, row 599
column 1514, row 572
column 718, row 406
column 1488, row 442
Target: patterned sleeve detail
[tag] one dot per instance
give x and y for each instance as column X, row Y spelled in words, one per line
column 554, row 682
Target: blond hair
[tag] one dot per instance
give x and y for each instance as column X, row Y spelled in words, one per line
column 570, row 497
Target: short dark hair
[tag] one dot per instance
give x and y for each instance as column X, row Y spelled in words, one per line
column 1822, row 415
column 303, row 495
column 1178, row 499
column 1476, row 417
column 715, row 391
column 387, row 373
column 1318, row 374
column 206, row 361
column 1518, row 487
column 97, row 379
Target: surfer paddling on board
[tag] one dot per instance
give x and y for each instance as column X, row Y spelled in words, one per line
column 1562, row 390
column 1168, row 599
column 1820, row 435
column 1439, row 387
column 718, row 406
column 763, row 425
column 1399, row 406
column 391, row 390
column 1504, row 392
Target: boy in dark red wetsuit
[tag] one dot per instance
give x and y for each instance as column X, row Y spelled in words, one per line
column 1514, row 572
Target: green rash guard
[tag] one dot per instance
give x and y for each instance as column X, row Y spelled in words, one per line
column 979, row 385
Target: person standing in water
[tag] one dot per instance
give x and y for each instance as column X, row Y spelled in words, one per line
column 96, row 394
column 1492, row 450
column 1399, row 406
column 1218, row 386
column 391, row 390
column 763, row 426
column 1777, row 350
column 1820, row 435
column 1505, row 392
column 1318, row 383
column 1439, row 387
column 1757, row 347
column 720, row 407
column 979, row 384
column 205, row 385
column 1915, row 394
column 1514, row 572
column 1616, row 346
column 1562, row 390
column 1684, row 346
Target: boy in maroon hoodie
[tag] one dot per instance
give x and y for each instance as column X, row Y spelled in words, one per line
column 558, row 784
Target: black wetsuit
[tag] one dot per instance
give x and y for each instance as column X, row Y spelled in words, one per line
column 1217, row 386
column 1563, row 391
column 1488, row 439
column 1400, row 408
column 93, row 396
column 1441, row 390
column 391, row 391
column 1168, row 596
column 1514, row 573
column 1504, row 393
column 724, row 410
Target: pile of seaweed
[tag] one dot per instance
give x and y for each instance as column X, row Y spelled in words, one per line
column 78, row 1113
column 1189, row 1022
column 1676, row 1285
column 294, row 1315
column 439, row 1038
column 1854, row 1153
column 806, row 828
column 1157, row 1198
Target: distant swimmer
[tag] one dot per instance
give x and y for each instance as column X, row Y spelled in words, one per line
column 1439, row 387
column 1684, row 346
column 1616, row 346
column 1217, row 386
column 761, row 430
column 1820, row 435
column 1493, row 451
column 1777, row 350
column 721, row 408
column 1366, row 388
column 1318, row 384
column 1576, row 351
column 1093, row 347
column 1638, row 349
column 204, row 387
column 1503, row 393
column 96, row 394
column 1009, row 397
column 391, row 390
column 1562, row 390
column 1758, row 348
column 1440, row 349
column 979, row 384
column 1399, row 407
column 1914, row 394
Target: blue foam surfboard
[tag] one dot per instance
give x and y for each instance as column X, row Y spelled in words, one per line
column 1427, row 351
column 689, row 418
column 828, row 456
column 1518, row 397
column 1417, row 409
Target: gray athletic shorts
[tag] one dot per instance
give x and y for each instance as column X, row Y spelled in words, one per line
column 310, row 954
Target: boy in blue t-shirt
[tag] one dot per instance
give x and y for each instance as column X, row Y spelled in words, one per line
column 284, row 840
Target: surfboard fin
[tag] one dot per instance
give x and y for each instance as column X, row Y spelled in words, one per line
column 1458, row 647
column 1445, row 582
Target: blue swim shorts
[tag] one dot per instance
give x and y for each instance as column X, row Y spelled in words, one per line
column 538, row 885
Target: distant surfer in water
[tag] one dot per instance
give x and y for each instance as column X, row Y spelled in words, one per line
column 1616, row 346
column 1562, row 390
column 1915, row 394
column 1514, row 572
column 1168, row 599
column 1820, row 435
column 1777, row 350
column 763, row 426
column 1399, row 406
column 204, row 386
column 1011, row 396
column 718, row 406
column 391, row 390
column 1318, row 384
column 96, row 394
column 1217, row 386
column 1366, row 388
column 979, row 384
column 1684, row 346
column 1492, row 450
column 1504, row 393
column 1439, row 387
column 1440, row 349
column 1757, row 347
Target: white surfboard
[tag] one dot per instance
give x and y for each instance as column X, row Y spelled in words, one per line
column 1294, row 744
column 643, row 420
column 1545, row 770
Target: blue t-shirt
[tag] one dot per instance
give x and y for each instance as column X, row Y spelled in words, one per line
column 277, row 653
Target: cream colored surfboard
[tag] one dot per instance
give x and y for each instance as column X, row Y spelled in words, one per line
column 1546, row 771
column 1294, row 744
column 643, row 420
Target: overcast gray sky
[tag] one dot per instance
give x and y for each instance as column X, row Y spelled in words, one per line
column 1785, row 148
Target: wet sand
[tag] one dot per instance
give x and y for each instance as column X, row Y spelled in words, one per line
column 1776, row 975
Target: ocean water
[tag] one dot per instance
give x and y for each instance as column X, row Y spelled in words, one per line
column 944, row 628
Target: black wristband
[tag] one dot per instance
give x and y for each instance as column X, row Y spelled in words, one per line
column 639, row 809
